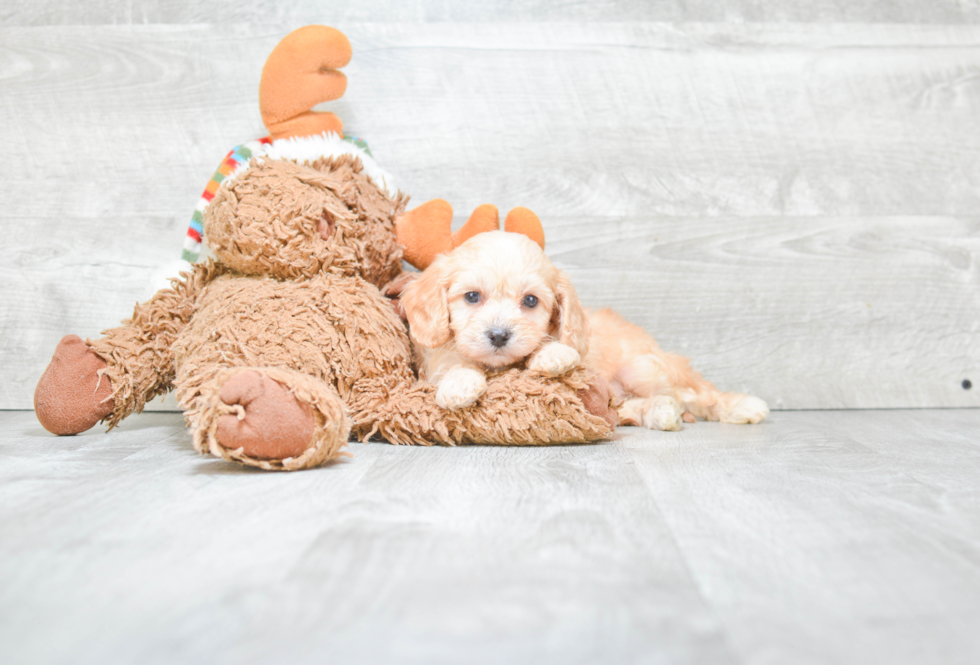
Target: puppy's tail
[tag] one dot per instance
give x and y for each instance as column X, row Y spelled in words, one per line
column 300, row 73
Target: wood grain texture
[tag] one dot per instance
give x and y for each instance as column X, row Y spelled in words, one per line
column 831, row 536
column 301, row 12
column 142, row 551
column 856, row 299
column 816, row 537
column 757, row 186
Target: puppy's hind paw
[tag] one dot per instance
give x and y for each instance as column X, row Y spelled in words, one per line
column 661, row 412
column 460, row 388
column 554, row 359
column 748, row 410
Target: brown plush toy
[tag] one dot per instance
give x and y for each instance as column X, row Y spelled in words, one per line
column 283, row 345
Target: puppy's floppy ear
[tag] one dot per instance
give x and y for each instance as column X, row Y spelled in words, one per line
column 426, row 305
column 568, row 324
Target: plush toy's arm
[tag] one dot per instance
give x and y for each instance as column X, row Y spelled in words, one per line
column 518, row 408
column 110, row 377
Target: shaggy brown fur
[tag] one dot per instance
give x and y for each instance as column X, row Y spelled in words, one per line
column 293, row 296
column 269, row 221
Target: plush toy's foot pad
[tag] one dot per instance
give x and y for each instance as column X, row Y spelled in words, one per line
column 270, row 417
column 71, row 397
column 269, row 422
column 596, row 400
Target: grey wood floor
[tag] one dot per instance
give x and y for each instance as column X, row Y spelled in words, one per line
column 816, row 537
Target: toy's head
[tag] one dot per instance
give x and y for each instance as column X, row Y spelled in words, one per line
column 292, row 219
column 294, row 212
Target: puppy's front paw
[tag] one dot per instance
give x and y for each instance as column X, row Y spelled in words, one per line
column 748, row 410
column 554, row 359
column 460, row 387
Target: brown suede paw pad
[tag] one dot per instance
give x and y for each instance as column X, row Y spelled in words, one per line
column 71, row 397
column 269, row 424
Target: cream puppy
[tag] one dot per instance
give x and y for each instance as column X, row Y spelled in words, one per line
column 494, row 301
column 497, row 301
column 654, row 388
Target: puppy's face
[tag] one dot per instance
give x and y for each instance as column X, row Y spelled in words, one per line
column 500, row 300
column 497, row 298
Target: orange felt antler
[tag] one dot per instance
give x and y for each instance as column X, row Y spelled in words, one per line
column 426, row 231
column 522, row 220
column 300, row 73
column 484, row 218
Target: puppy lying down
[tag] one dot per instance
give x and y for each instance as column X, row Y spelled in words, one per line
column 497, row 301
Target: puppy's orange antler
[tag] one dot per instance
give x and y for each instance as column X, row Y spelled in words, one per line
column 522, row 220
column 484, row 218
column 426, row 231
column 300, row 73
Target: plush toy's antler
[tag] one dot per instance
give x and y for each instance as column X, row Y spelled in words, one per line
column 426, row 231
column 300, row 73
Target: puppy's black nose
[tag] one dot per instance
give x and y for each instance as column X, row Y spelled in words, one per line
column 498, row 336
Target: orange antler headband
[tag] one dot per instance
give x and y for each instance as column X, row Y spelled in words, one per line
column 426, row 231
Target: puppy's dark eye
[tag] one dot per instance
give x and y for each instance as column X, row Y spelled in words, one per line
column 472, row 297
column 530, row 302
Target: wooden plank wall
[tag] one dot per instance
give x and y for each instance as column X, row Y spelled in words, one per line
column 787, row 192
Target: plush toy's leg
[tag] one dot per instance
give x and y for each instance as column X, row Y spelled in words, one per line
column 518, row 408
column 270, row 417
column 109, row 378
column 73, row 393
column 138, row 354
